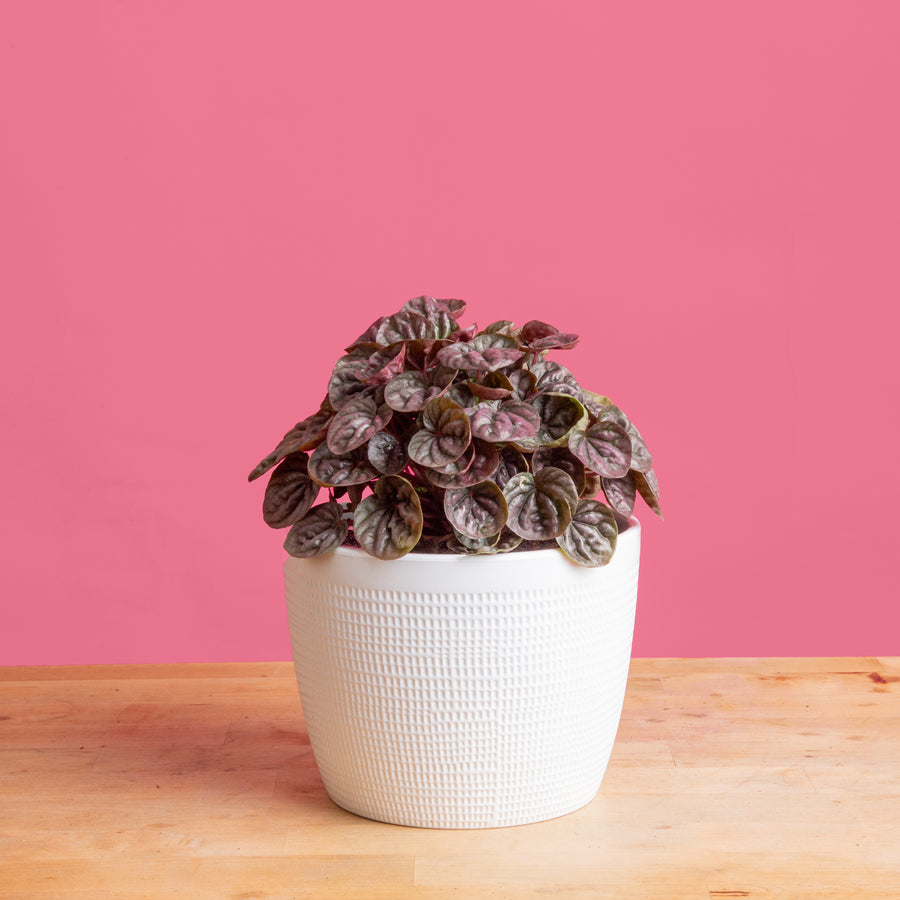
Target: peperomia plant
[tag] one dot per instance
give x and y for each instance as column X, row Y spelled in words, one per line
column 439, row 438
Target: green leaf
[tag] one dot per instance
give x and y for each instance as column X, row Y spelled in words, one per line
column 340, row 469
column 590, row 539
column 290, row 492
column 355, row 422
column 321, row 530
column 540, row 506
column 444, row 435
column 386, row 453
column 513, row 420
column 648, row 487
column 388, row 523
column 305, row 435
column 604, row 447
column 478, row 511
column 620, row 493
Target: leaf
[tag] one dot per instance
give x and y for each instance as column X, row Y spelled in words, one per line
column 290, row 492
column 444, row 435
column 368, row 336
column 590, row 540
column 406, row 326
column 477, row 464
column 478, row 511
column 620, row 493
column 524, row 384
column 595, row 403
column 411, row 391
column 473, row 545
column 345, row 381
column 561, row 415
column 386, row 453
column 494, row 386
column 305, row 435
column 539, row 335
column 436, row 311
column 501, row 326
column 641, row 460
column 340, row 469
column 604, row 447
column 648, row 487
column 512, row 462
column 383, row 365
column 513, row 420
column 388, row 523
column 540, row 506
column 484, row 353
column 355, row 422
column 561, row 458
column 592, row 484
column 321, row 530
column 551, row 376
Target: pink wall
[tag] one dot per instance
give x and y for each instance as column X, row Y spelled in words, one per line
column 201, row 202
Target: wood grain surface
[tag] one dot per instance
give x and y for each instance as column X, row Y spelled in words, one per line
column 760, row 778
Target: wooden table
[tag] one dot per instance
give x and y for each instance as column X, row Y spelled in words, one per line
column 775, row 778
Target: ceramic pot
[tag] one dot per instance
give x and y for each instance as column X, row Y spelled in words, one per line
column 452, row 691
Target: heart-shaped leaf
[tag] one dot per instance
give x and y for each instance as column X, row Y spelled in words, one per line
column 641, row 460
column 406, row 325
column 524, row 384
column 340, row 469
column 436, row 311
column 386, row 453
column 540, row 506
column 428, row 306
column 648, row 487
column 368, row 336
column 347, row 380
column 460, row 393
column 620, row 493
column 513, row 420
column 484, row 353
column 383, row 365
column 561, row 458
column 561, row 415
column 478, row 511
column 590, row 539
column 604, row 447
column 494, row 386
column 595, row 404
column 551, row 376
column 321, row 530
column 355, row 422
column 388, row 523
column 592, row 484
column 305, row 435
column 290, row 492
column 512, row 462
column 481, row 461
column 411, row 391
column 539, row 335
column 444, row 435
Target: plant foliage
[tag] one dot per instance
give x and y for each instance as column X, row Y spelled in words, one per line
column 437, row 438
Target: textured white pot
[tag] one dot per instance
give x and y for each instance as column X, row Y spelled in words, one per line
column 462, row 691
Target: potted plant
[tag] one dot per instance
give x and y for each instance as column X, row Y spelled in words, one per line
column 461, row 603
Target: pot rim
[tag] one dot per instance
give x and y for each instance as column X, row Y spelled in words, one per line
column 634, row 526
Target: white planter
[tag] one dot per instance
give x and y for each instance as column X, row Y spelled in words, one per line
column 462, row 692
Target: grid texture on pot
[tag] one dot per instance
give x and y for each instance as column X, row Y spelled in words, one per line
column 462, row 710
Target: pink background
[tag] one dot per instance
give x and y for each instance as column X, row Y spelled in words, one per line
column 202, row 202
